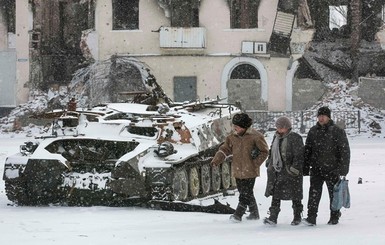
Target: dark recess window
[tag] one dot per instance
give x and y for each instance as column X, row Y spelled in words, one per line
column 125, row 14
column 9, row 12
column 244, row 14
column 185, row 13
column 245, row 71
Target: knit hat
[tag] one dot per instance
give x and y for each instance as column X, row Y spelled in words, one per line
column 283, row 122
column 242, row 120
column 324, row 111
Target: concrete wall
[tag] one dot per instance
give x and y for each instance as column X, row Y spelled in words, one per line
column 301, row 94
column 247, row 92
column 372, row 91
column 306, row 92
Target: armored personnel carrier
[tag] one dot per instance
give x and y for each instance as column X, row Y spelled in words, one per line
column 115, row 153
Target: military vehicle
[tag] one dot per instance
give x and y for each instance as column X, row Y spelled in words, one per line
column 116, row 153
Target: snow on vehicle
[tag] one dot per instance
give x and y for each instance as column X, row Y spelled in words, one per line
column 119, row 152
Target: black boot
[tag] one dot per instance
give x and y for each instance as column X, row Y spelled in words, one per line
column 334, row 217
column 310, row 220
column 254, row 213
column 237, row 216
column 272, row 219
column 311, row 216
column 297, row 211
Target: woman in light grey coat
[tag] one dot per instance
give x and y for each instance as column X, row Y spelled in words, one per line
column 284, row 171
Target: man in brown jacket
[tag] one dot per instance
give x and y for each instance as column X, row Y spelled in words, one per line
column 249, row 150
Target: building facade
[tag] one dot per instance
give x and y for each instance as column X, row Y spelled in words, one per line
column 201, row 49
column 239, row 50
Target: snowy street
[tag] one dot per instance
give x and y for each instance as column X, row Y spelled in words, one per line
column 115, row 102
column 361, row 224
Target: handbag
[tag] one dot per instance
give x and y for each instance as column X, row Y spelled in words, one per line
column 341, row 195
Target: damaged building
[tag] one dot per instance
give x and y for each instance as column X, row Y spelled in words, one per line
column 268, row 54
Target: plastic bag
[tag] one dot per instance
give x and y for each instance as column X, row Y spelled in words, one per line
column 341, row 195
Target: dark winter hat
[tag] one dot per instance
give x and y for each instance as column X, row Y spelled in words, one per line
column 242, row 120
column 283, row 122
column 324, row 111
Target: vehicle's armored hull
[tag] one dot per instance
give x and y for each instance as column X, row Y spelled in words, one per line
column 122, row 154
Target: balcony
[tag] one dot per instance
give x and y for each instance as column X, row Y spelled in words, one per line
column 178, row 37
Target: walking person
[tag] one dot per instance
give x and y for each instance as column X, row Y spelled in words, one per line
column 284, row 171
column 327, row 158
column 249, row 150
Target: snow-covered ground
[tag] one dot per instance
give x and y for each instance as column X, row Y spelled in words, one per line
column 363, row 223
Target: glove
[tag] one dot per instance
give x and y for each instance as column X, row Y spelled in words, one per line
column 267, row 163
column 255, row 153
column 333, row 176
column 293, row 171
column 218, row 158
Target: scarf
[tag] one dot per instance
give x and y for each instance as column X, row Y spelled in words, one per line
column 276, row 153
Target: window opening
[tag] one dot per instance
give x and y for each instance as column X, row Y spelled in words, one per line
column 337, row 16
column 9, row 13
column 125, row 14
column 245, row 71
column 260, row 48
column 118, row 116
column 143, row 131
column 383, row 14
column 244, row 14
column 185, row 13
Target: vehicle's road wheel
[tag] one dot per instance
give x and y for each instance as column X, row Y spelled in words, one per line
column 194, row 182
column 206, row 178
column 180, row 185
column 15, row 192
column 226, row 175
column 215, row 178
column 233, row 181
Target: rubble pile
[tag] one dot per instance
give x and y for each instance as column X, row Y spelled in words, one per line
column 19, row 119
column 331, row 61
column 342, row 96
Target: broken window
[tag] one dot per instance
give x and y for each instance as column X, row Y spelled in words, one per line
column 125, row 14
column 281, row 34
column 337, row 16
column 185, row 13
column 304, row 18
column 244, row 14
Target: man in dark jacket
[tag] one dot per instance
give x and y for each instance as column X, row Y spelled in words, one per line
column 327, row 158
column 284, row 171
column 249, row 150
